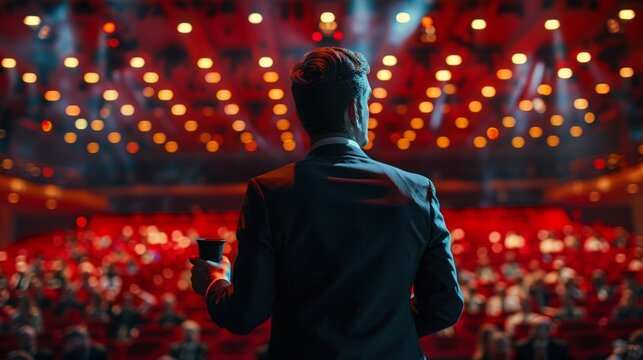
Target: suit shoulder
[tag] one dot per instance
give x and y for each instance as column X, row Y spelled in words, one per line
column 280, row 177
column 411, row 177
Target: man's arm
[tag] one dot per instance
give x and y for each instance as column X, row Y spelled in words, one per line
column 439, row 299
column 246, row 303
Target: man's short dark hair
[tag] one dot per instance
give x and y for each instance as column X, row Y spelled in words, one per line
column 324, row 83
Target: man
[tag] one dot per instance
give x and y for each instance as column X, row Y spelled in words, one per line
column 78, row 345
column 28, row 342
column 330, row 246
column 541, row 346
column 190, row 347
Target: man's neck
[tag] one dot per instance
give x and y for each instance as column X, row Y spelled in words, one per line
column 317, row 138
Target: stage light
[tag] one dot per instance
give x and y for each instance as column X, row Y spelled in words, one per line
column 384, row 74
column 70, row 137
column 581, row 104
column 553, row 140
column 589, row 117
column 238, row 125
column 270, row 77
column 144, row 125
column 31, row 20
column 46, row 126
column 426, row 21
column 280, row 109
column 127, row 109
column 212, row 146
column 565, row 73
column 231, row 109
column 535, row 132
column 165, row 94
column 109, row 27
column 178, row 109
column 137, row 62
column 453, row 60
column 389, row 60
column 475, row 106
column 265, row 62
column 632, row 188
column 71, row 62
column 552, row 24
column 417, row 123
column 252, row 146
column 289, row 145
column 212, row 77
column 544, row 89
column 478, row 24
column 150, row 77
column 626, row 14
column 148, row 91
column 433, row 92
column 317, row 36
column 255, row 18
column 104, row 112
column 504, row 74
column 488, row 91
column 245, row 137
column 205, row 137
column 583, row 57
column 525, row 105
column 91, row 77
column 72, row 110
column 443, row 75
column 8, row 63
column 442, row 142
column 97, row 125
column 283, row 124
column 449, row 89
column 29, row 77
column 519, row 58
column 327, row 17
column 425, row 107
column 13, row 198
column 539, row 105
column 626, row 72
column 479, row 142
column 493, row 133
column 114, row 137
column 184, row 28
column 556, row 120
column 379, row 93
column 204, row 63
column 518, row 142
column 110, row 95
column 403, row 17
column 7, row 164
column 375, row 108
column 81, row 124
column 576, row 131
column 372, row 123
column 52, row 95
column 224, row 95
column 508, row 121
column 403, row 143
column 93, row 147
column 275, row 94
column 286, row 136
column 602, row 88
column 171, row 146
column 159, row 138
column 461, row 122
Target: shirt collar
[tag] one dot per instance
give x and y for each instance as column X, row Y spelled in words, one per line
column 335, row 140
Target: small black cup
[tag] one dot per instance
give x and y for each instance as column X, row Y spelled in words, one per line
column 210, row 249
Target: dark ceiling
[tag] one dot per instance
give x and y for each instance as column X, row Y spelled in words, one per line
column 193, row 137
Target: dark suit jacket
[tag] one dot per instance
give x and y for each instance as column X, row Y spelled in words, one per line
column 182, row 351
column 330, row 246
column 556, row 350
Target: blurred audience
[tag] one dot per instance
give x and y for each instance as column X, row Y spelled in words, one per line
column 78, row 345
column 483, row 342
column 27, row 342
column 169, row 316
column 540, row 345
column 628, row 350
column 190, row 347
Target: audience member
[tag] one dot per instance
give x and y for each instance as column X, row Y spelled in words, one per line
column 190, row 347
column 169, row 316
column 78, row 345
column 499, row 347
column 629, row 350
column 483, row 342
column 524, row 316
column 540, row 345
column 628, row 306
column 27, row 341
column 25, row 313
column 500, row 302
column 511, row 269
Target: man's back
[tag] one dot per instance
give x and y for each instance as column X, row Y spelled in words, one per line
column 348, row 234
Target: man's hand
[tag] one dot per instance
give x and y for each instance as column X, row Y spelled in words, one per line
column 205, row 272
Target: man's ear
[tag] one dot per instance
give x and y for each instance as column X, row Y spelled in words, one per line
column 351, row 114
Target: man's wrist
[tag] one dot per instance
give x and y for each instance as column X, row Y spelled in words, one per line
column 215, row 284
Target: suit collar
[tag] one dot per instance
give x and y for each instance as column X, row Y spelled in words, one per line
column 335, row 149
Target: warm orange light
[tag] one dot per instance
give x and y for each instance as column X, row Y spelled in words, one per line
column 13, row 198
column 224, row 95
column 275, row 94
column 417, row 123
column 525, row 105
column 475, row 106
column 171, row 146
column 8, row 63
column 212, row 146
column 519, row 58
column 97, row 125
column 132, row 147
column 238, row 125
column 449, row 89
column 190, row 125
column 137, row 62
column 553, row 140
column 184, row 28
column 46, row 126
column 576, row 131
column 255, row 18
column 231, row 109
column 110, row 95
column 283, row 124
column 384, row 74
column 535, row 132
column 410, row 135
column 148, row 91
column 552, row 24
column 127, row 109
column 109, row 27
column 93, row 148
column 488, row 91
column 589, row 117
column 602, row 88
column 270, row 77
column 453, row 60
column 72, row 110
column 403, row 143
column 286, row 136
column 70, row 137
column 150, row 77
column 178, row 109
column 52, row 95
column 581, row 103
column 626, row 72
column 493, row 133
column 504, row 74
column 212, row 77
column 144, row 125
column 265, row 62
column 70, row 62
column 114, row 137
column 443, row 75
column 375, row 107
column 518, row 142
column 479, row 142
column 556, row 120
column 165, row 94
column 372, row 123
column 29, row 77
column 565, row 73
column 508, row 121
column 204, row 63
column 159, row 138
column 389, row 60
column 478, row 24
column 425, row 107
column 245, row 137
column 461, row 122
column 544, row 89
column 442, row 142
column 252, row 146
column 433, row 92
column 280, row 109
column 379, row 93
column 583, row 57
